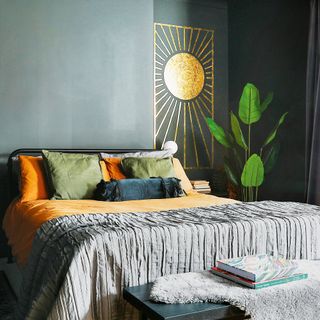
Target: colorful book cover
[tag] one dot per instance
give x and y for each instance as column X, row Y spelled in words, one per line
column 259, row 267
column 258, row 285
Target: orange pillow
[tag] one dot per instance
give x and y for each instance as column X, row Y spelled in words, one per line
column 33, row 182
column 181, row 174
column 114, row 168
column 104, row 170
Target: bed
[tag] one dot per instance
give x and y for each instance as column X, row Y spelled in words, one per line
column 78, row 255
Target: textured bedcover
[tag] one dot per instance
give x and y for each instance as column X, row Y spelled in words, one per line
column 79, row 264
column 23, row 219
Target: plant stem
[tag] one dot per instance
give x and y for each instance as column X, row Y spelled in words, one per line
column 249, row 140
column 257, row 188
column 248, row 156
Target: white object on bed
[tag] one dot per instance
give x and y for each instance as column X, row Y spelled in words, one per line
column 291, row 301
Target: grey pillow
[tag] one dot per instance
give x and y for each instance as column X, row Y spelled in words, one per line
column 140, row 154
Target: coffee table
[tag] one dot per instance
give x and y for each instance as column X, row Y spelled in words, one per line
column 139, row 297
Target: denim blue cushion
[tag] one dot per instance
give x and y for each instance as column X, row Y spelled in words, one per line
column 138, row 189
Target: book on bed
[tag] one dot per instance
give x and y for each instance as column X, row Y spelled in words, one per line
column 259, row 268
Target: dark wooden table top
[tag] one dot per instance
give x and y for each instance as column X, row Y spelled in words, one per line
column 139, row 297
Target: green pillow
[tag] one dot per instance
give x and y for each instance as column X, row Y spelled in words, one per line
column 72, row 176
column 144, row 168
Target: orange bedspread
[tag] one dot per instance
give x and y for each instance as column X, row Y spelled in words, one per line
column 22, row 219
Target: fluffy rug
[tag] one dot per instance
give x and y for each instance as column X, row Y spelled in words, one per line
column 291, row 301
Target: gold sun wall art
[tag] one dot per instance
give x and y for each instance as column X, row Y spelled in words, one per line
column 184, row 91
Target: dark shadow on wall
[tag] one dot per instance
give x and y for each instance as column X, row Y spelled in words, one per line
column 268, row 47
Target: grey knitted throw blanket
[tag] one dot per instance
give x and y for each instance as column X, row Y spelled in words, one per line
column 79, row 264
column 290, row 301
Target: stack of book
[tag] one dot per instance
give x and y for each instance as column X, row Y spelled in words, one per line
column 259, row 271
column 201, row 186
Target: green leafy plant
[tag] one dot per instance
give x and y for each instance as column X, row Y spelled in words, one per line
column 244, row 168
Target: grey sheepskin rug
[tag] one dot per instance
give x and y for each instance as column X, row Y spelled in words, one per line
column 291, row 301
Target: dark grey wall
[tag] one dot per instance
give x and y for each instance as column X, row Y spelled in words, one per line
column 211, row 15
column 268, row 47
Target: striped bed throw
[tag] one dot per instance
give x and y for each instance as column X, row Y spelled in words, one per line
column 79, row 264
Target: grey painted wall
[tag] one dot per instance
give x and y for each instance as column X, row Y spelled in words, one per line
column 76, row 73
column 268, row 46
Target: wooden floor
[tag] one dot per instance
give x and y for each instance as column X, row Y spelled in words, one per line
column 7, row 299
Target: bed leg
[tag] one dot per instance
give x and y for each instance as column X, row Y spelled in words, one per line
column 143, row 316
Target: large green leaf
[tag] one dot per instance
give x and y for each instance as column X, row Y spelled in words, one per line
column 237, row 132
column 218, row 132
column 266, row 102
column 231, row 173
column 271, row 157
column 273, row 133
column 249, row 105
column 253, row 172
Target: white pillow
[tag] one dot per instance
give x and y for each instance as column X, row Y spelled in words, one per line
column 139, row 154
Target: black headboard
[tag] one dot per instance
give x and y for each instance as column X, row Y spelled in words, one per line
column 13, row 179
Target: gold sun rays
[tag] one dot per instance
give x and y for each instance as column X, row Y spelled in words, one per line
column 184, row 91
